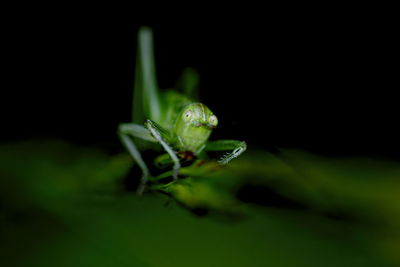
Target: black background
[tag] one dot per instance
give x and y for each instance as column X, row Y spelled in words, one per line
column 324, row 83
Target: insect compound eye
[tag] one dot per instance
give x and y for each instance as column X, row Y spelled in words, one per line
column 213, row 120
column 187, row 115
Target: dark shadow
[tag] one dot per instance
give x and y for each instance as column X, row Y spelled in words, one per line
column 267, row 196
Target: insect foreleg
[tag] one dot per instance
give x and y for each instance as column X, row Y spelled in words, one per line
column 237, row 147
column 131, row 129
column 155, row 132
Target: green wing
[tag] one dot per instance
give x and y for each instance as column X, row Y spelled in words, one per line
column 188, row 84
column 146, row 96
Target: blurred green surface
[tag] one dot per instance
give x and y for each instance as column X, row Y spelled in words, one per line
column 63, row 205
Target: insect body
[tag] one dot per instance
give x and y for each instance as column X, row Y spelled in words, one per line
column 175, row 120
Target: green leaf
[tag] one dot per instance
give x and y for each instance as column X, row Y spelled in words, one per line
column 64, row 205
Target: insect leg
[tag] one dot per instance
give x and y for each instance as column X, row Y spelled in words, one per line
column 153, row 128
column 188, row 84
column 146, row 75
column 135, row 130
column 237, row 147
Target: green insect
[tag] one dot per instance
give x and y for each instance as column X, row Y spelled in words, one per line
column 172, row 118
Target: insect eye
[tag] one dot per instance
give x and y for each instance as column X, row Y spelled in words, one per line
column 187, row 114
column 213, row 120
